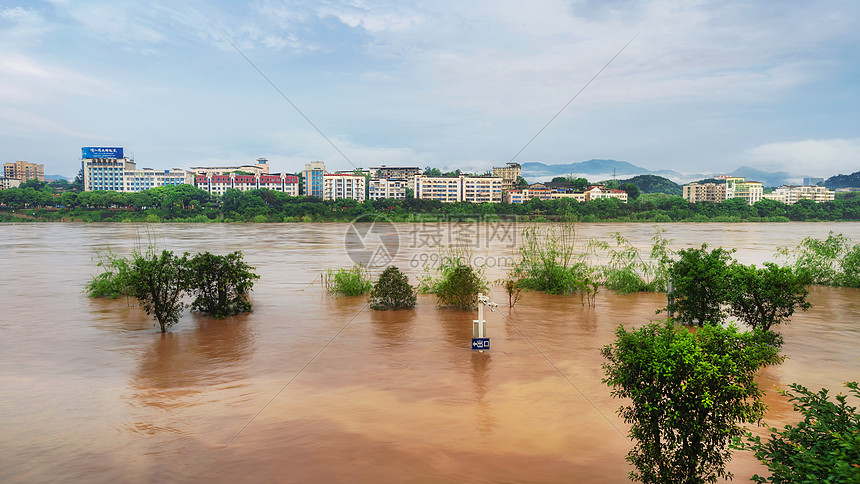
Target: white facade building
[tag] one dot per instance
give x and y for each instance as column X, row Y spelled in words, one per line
column 791, row 194
column 343, row 185
column 459, row 189
column 6, row 183
column 381, row 188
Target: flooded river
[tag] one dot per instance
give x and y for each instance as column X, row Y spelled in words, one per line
column 308, row 388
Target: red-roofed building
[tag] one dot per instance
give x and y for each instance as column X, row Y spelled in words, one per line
column 218, row 184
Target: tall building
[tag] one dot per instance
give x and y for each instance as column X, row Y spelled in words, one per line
column 738, row 187
column 791, row 194
column 312, row 177
column 343, row 185
column 107, row 169
column 810, row 181
column 509, row 174
column 23, row 171
column 459, row 189
column 706, row 192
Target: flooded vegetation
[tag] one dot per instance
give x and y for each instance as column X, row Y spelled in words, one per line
column 314, row 388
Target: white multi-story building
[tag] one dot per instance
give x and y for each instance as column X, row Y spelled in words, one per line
column 791, row 194
column 738, row 187
column 6, row 183
column 108, row 169
column 381, row 188
column 343, row 185
column 459, row 189
column 218, row 184
column 543, row 193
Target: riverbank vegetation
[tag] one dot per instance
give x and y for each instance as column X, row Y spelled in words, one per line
column 188, row 204
column 392, row 291
column 220, row 284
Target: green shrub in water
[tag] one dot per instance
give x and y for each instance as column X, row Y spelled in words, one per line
column 354, row 281
column 392, row 291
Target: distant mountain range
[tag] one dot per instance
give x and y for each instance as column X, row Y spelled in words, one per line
column 605, row 169
column 57, row 177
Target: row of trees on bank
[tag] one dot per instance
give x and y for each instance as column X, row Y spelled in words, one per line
column 188, row 203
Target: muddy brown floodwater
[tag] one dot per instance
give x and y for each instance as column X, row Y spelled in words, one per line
column 91, row 392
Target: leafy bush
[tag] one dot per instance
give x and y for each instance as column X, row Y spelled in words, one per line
column 354, row 281
column 113, row 282
column 823, row 447
column 459, row 287
column 158, row 281
column 221, row 283
column 392, row 291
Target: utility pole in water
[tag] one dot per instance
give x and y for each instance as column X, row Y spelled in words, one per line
column 480, row 341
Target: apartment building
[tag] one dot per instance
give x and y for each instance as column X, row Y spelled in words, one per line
column 343, row 185
column 704, row 192
column 381, row 188
column 312, row 178
column 23, row 171
column 459, row 189
column 219, row 183
column 597, row 192
column 791, row 194
column 739, row 187
column 509, row 174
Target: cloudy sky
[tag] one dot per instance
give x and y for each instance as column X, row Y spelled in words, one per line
column 704, row 86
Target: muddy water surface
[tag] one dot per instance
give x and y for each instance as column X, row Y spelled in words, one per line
column 91, row 392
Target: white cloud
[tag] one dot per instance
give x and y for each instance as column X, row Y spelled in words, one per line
column 26, row 81
column 825, row 157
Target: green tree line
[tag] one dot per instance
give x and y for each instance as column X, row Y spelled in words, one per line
column 185, row 203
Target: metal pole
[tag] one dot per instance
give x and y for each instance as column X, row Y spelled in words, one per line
column 480, row 315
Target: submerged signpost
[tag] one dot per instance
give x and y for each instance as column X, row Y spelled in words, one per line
column 480, row 341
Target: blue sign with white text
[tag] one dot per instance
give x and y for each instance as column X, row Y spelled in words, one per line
column 100, row 152
column 480, row 343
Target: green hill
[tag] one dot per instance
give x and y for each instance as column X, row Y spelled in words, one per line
column 654, row 184
column 843, row 181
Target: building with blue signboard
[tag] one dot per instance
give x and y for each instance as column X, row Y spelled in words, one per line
column 107, row 169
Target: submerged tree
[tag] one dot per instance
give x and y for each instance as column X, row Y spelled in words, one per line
column 823, row 447
column 767, row 296
column 392, row 291
column 221, row 283
column 701, row 284
column 158, row 282
column 689, row 393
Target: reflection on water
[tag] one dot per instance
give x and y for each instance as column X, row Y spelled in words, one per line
column 92, row 392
